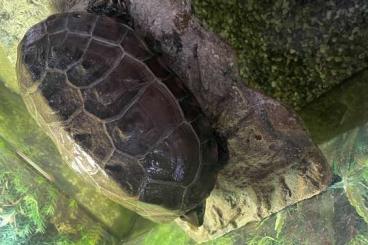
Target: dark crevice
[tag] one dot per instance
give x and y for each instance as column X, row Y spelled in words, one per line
column 223, row 151
column 116, row 9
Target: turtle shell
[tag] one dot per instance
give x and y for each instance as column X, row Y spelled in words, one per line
column 92, row 82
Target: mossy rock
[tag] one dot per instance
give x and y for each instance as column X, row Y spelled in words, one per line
column 292, row 50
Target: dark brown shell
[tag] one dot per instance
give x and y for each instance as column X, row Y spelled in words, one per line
column 122, row 106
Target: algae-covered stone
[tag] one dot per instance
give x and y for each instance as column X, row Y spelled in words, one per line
column 292, row 50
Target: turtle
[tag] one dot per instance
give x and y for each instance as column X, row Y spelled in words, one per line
column 118, row 114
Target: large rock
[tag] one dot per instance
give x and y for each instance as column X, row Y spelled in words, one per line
column 279, row 167
column 292, row 50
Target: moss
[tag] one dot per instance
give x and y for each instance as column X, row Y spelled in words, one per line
column 7, row 71
column 292, row 50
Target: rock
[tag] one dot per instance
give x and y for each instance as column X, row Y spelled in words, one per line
column 273, row 173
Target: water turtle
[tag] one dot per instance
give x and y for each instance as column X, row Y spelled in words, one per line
column 118, row 114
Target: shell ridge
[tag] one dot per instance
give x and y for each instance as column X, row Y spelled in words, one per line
column 50, row 47
column 133, row 159
column 105, row 41
column 70, row 66
column 112, row 143
column 86, row 48
column 174, row 99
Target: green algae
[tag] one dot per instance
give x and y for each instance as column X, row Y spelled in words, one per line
column 7, row 72
column 292, row 50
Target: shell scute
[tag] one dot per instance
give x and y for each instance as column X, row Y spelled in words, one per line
column 62, row 99
column 200, row 188
column 160, row 71
column 110, row 97
column 35, row 34
column 152, row 116
column 66, row 52
column 157, row 193
column 127, row 172
column 203, row 128
column 135, row 132
column 98, row 60
column 176, row 158
column 90, row 134
column 162, row 106
column 176, row 86
column 209, row 152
